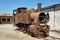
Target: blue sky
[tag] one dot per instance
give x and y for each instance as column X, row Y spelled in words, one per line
column 7, row 6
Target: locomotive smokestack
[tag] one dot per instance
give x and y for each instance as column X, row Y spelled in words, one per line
column 39, row 6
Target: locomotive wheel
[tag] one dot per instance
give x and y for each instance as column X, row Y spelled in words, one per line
column 23, row 31
column 32, row 34
column 29, row 33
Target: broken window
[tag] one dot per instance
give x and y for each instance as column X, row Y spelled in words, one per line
column 8, row 19
column 3, row 19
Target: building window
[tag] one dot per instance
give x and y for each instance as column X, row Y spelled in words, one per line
column 0, row 19
column 8, row 19
column 3, row 19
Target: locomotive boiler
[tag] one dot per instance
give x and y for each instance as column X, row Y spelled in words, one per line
column 32, row 22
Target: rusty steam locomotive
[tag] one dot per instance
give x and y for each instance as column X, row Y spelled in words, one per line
column 31, row 22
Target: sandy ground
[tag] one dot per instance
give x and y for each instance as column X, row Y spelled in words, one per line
column 7, row 33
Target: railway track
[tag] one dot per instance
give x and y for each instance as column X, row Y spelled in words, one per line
column 54, row 38
column 49, row 38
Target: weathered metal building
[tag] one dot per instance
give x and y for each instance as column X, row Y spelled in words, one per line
column 54, row 13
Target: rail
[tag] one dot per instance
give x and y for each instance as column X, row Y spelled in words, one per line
column 50, row 38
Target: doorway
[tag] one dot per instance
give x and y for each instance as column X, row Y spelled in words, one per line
column 0, row 20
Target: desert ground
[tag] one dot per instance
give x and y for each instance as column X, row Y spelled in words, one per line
column 7, row 32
